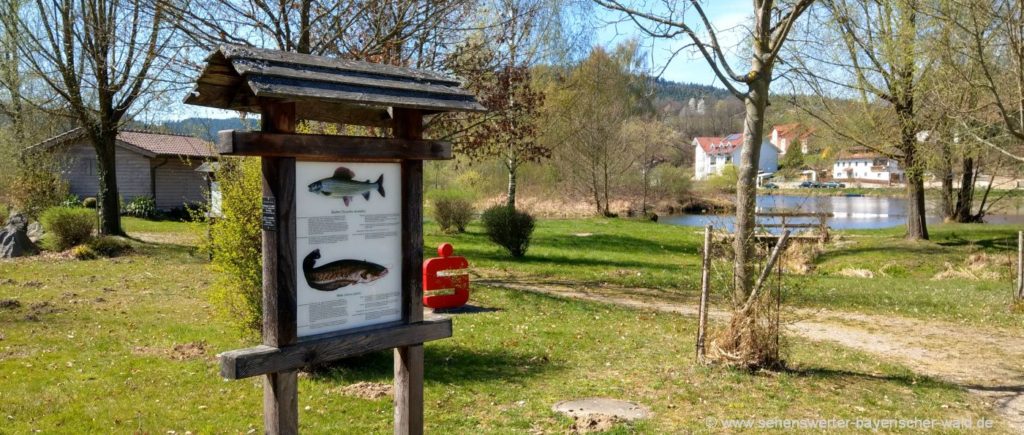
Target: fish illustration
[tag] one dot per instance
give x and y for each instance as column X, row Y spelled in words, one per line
column 341, row 185
column 340, row 273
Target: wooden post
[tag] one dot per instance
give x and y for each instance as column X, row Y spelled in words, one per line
column 408, row 124
column 705, row 287
column 280, row 390
column 1020, row 264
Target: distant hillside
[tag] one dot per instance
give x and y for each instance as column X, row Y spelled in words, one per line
column 207, row 128
column 669, row 90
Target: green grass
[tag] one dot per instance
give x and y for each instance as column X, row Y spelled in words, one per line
column 98, row 359
column 631, row 253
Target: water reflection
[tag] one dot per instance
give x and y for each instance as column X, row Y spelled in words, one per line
column 850, row 212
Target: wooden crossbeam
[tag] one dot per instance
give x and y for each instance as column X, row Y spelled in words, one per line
column 792, row 214
column 261, row 360
column 790, row 225
column 325, row 146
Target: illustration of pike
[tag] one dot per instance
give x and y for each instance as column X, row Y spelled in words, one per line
column 341, row 185
column 340, row 273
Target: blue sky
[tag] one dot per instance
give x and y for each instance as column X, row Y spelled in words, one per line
column 688, row 66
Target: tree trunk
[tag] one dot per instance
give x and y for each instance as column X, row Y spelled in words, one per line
column 746, row 189
column 109, row 198
column 965, row 196
column 948, row 201
column 511, row 202
column 917, row 226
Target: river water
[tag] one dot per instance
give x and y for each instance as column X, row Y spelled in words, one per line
column 850, row 212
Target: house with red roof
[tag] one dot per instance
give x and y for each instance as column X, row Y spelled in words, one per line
column 784, row 135
column 711, row 154
column 158, row 165
column 863, row 165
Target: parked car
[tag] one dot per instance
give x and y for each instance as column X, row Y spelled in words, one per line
column 833, row 185
column 769, row 186
column 810, row 185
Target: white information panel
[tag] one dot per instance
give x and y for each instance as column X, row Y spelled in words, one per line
column 349, row 247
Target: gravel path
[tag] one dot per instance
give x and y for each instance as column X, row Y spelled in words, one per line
column 986, row 362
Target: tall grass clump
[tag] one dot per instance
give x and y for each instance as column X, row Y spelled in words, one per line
column 235, row 244
column 509, row 228
column 451, row 209
column 68, row 226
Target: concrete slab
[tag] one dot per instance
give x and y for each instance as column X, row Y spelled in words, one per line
column 620, row 409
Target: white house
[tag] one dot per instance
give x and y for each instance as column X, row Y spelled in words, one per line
column 868, row 167
column 711, row 154
column 783, row 135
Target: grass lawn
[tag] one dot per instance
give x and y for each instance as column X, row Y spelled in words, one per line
column 629, row 253
column 127, row 345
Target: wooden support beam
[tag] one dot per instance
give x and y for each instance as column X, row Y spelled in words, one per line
column 260, row 360
column 409, row 359
column 322, row 146
column 280, row 390
column 705, row 289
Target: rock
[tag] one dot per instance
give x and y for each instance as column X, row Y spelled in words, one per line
column 35, row 231
column 14, row 241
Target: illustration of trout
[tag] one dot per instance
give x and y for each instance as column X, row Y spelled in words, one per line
column 340, row 273
column 341, row 185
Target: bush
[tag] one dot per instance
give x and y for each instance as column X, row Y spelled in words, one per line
column 236, row 245
column 452, row 210
column 109, row 246
column 509, row 228
column 71, row 201
column 36, row 186
column 89, row 202
column 140, row 207
column 84, row 252
column 669, row 181
column 68, row 226
column 725, row 181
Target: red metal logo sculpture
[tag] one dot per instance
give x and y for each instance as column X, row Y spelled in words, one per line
column 447, row 291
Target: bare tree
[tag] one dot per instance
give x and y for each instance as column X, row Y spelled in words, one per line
column 868, row 63
column 98, row 58
column 772, row 23
column 404, row 32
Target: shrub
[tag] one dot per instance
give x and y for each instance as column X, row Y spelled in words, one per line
column 36, row 185
column 89, row 202
column 68, row 226
column 84, row 252
column 140, row 207
column 452, row 210
column 725, row 181
column 70, row 201
column 236, row 244
column 109, row 246
column 669, row 181
column 509, row 228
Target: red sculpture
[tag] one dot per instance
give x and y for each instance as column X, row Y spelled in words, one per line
column 436, row 288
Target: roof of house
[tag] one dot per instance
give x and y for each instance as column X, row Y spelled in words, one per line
column 240, row 78
column 145, row 142
column 718, row 145
column 793, row 131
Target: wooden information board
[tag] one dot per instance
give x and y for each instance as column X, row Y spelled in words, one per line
column 342, row 216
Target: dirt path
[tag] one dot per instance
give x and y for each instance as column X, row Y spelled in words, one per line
column 987, row 362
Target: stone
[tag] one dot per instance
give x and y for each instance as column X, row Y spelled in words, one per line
column 14, row 241
column 617, row 409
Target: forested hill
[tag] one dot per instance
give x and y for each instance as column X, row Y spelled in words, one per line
column 207, row 128
column 667, row 94
column 669, row 90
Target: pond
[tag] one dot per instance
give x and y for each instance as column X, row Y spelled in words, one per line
column 850, row 212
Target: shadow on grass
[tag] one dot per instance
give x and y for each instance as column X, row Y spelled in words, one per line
column 449, row 365
column 913, row 251
column 902, row 380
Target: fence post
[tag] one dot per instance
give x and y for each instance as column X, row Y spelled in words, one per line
column 1020, row 265
column 705, row 286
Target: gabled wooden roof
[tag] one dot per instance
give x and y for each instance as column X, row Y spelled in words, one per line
column 324, row 89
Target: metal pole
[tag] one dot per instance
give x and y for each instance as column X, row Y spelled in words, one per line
column 705, row 287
